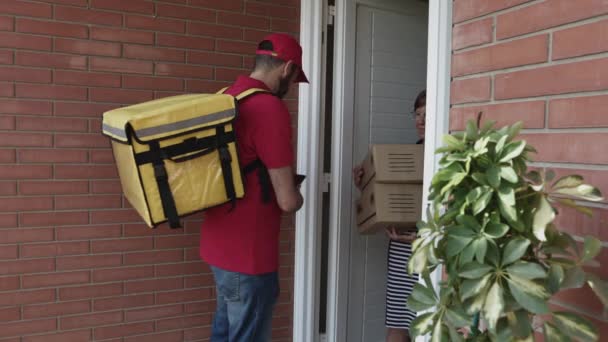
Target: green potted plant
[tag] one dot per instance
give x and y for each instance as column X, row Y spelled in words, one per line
column 490, row 226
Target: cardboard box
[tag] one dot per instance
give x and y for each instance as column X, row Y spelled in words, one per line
column 394, row 164
column 382, row 205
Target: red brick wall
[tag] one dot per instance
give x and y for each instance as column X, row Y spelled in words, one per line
column 76, row 263
column 543, row 62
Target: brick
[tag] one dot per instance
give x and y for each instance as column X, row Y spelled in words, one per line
column 215, row 59
column 53, row 249
column 581, row 40
column 28, row 327
column 58, row 92
column 89, row 262
column 12, row 106
column 122, row 35
column 185, row 12
column 578, row 112
column 198, row 86
column 162, row 94
column 121, row 66
column 25, row 140
column 119, row 274
column 545, row 15
column 174, row 336
column 557, row 79
column 183, row 296
column 51, row 156
column 9, row 236
column 136, row 6
column 25, row 171
column 184, row 322
column 154, row 257
column 76, row 109
column 200, row 307
column 72, row 336
column 185, row 42
column 154, row 313
column 8, row 188
column 89, row 232
column 26, row 203
column 10, row 314
column 9, row 252
column 51, row 28
column 87, row 16
column 25, row 297
column 106, row 187
column 7, row 23
column 235, row 47
column 7, row 123
column 81, row 3
column 468, row 9
column 6, row 57
column 24, row 41
column 154, row 53
column 201, row 333
column 90, row 320
column 55, row 309
column 255, row 36
column 272, row 10
column 123, row 330
column 570, row 147
column 53, row 218
column 90, row 291
column 573, row 222
column 152, row 285
column 204, row 280
column 123, row 96
column 213, row 30
column 115, row 216
column 7, row 156
column 95, row 127
column 81, row 140
column 55, row 279
column 87, row 47
column 123, row 302
column 101, row 156
column 26, row 266
column 501, row 56
column 122, row 245
column 86, row 78
column 155, row 24
column 53, row 187
column 7, row 89
column 532, row 114
column 28, row 9
column 8, row 284
column 226, row 5
column 284, row 26
column 180, row 70
column 25, row 75
column 51, row 124
column 192, row 254
column 243, row 20
column 470, row 90
column 180, row 241
column 222, row 74
column 153, row 83
column 88, row 202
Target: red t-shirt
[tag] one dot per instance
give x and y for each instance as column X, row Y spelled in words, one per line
column 246, row 240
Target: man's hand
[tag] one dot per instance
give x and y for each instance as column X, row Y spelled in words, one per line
column 288, row 195
column 358, row 174
column 408, row 237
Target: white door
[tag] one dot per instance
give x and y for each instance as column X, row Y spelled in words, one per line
column 390, row 59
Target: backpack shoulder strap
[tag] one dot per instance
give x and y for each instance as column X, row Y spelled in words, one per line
column 223, row 90
column 252, row 91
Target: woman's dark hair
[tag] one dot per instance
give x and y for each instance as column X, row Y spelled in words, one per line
column 420, row 100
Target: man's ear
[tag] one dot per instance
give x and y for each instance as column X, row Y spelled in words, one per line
column 288, row 68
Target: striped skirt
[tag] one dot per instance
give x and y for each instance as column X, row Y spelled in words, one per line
column 399, row 286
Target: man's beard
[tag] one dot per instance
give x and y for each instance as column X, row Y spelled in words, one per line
column 284, row 84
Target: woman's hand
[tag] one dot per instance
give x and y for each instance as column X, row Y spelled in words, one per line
column 358, row 176
column 408, row 237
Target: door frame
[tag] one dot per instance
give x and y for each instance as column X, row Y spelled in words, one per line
column 307, row 234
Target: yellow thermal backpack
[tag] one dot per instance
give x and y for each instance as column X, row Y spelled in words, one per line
column 178, row 155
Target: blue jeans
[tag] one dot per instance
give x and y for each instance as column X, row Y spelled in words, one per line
column 244, row 306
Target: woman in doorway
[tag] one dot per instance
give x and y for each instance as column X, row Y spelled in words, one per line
column 399, row 282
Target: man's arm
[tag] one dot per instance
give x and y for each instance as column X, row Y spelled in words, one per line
column 288, row 195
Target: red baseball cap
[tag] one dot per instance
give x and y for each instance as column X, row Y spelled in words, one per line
column 286, row 48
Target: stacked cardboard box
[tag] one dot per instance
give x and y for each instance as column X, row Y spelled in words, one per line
column 392, row 188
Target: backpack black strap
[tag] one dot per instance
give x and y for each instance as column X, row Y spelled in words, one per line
column 162, row 180
column 226, row 163
column 263, row 178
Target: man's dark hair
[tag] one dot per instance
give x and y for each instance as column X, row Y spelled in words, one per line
column 266, row 62
column 420, row 100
